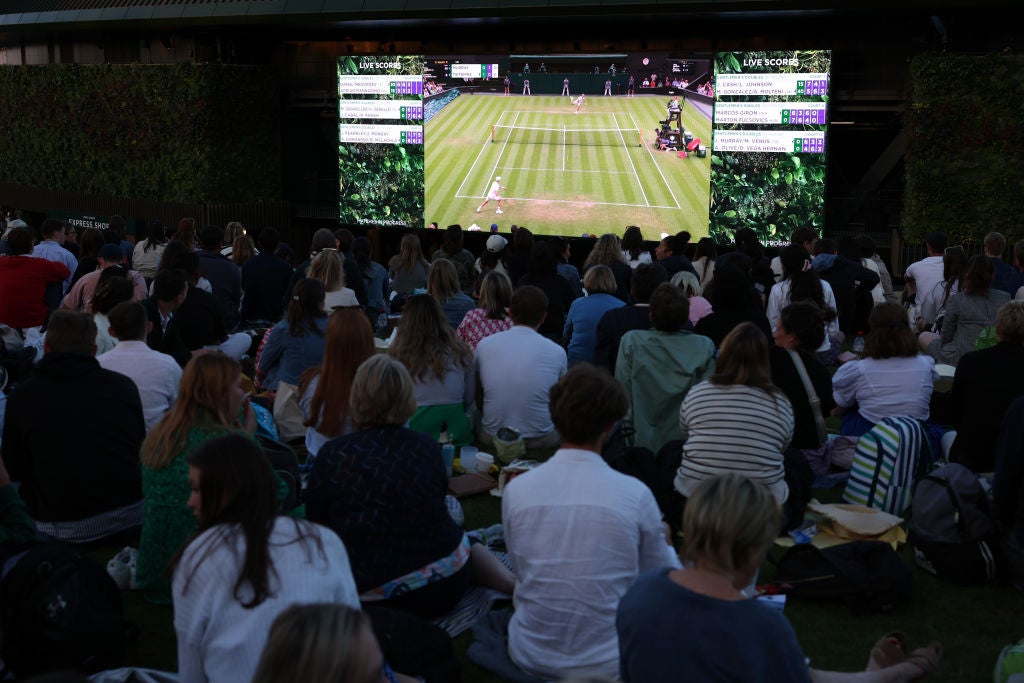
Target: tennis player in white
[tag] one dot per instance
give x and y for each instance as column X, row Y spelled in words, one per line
column 579, row 102
column 495, row 194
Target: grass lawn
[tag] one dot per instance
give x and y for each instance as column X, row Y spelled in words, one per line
column 972, row 623
column 565, row 173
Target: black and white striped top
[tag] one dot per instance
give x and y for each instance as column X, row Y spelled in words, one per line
column 734, row 428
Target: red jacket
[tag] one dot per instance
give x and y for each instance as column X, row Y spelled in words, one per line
column 23, row 281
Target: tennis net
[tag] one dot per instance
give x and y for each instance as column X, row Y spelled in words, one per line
column 612, row 137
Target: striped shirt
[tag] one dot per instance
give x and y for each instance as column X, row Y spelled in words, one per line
column 734, row 428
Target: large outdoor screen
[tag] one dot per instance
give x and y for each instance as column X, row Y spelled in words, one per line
column 586, row 144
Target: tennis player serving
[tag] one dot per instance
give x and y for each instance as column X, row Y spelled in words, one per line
column 495, row 194
column 579, row 102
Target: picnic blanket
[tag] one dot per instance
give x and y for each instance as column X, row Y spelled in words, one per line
column 474, row 605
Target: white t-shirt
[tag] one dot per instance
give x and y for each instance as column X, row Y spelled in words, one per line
column 886, row 387
column 495, row 192
column 926, row 273
column 779, row 298
column 156, row 375
column 218, row 639
column 578, row 534
column 517, row 368
column 643, row 257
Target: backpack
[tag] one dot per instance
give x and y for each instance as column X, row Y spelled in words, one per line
column 60, row 609
column 952, row 529
column 867, row 575
column 890, row 458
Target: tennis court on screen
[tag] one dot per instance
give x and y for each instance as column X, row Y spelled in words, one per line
column 594, row 158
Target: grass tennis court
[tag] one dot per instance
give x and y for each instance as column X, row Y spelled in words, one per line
column 597, row 171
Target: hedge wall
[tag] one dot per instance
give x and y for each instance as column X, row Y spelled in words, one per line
column 965, row 152
column 179, row 132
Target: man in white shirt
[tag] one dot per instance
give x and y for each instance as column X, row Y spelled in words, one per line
column 516, row 369
column 52, row 249
column 578, row 534
column 495, row 194
column 156, row 374
column 923, row 275
column 806, row 238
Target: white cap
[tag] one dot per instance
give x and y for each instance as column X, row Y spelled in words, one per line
column 496, row 243
column 498, row 178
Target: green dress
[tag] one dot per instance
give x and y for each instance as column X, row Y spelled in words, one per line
column 166, row 520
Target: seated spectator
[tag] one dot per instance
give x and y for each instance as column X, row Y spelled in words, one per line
column 375, row 276
column 441, row 367
column 543, row 273
column 353, row 280
column 147, row 253
column 156, row 375
column 802, row 283
column 607, row 251
column 849, row 281
column 199, row 317
column 211, row 403
column 586, row 312
column 892, row 379
column 246, row 564
column 806, row 238
column 633, row 250
column 451, row 250
column 80, row 475
column 697, row 619
column 169, row 292
column 636, row 316
column 671, row 254
column 1004, row 277
column 657, row 368
column 492, row 315
column 985, row 384
column 23, row 282
column 297, row 344
column 79, row 297
column 574, row 521
column 868, row 252
column 931, row 308
column 517, row 259
column 704, row 261
column 324, row 389
column 52, row 249
column 493, row 258
column 967, row 314
column 752, row 441
column 733, row 301
column 265, row 279
column 689, row 285
column 186, row 234
column 411, row 556
column 407, row 269
column 224, row 276
column 232, row 231
column 799, row 330
column 516, row 369
column 88, row 258
column 242, row 249
column 563, row 250
column 328, row 268
column 922, row 276
column 443, row 285
column 111, row 291
column 333, row 642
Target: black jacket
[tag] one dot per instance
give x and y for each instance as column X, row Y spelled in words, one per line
column 72, row 436
column 226, row 280
column 265, row 279
column 169, row 341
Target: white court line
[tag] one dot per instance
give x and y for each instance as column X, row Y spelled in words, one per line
column 494, row 168
column 655, row 162
column 631, row 164
column 574, row 201
column 573, row 170
column 487, row 141
column 565, row 145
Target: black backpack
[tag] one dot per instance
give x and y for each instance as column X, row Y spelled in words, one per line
column 867, row 575
column 952, row 528
column 59, row 610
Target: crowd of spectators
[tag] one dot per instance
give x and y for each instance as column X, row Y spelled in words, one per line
column 175, row 352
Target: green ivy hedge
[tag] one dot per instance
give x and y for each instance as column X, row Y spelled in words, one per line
column 181, row 132
column 965, row 149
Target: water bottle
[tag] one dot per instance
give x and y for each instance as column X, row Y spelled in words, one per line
column 858, row 344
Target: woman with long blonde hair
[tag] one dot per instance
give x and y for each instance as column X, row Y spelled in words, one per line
column 328, row 268
column 441, row 367
column 211, row 403
column 324, row 390
column 492, row 315
column 443, row 285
